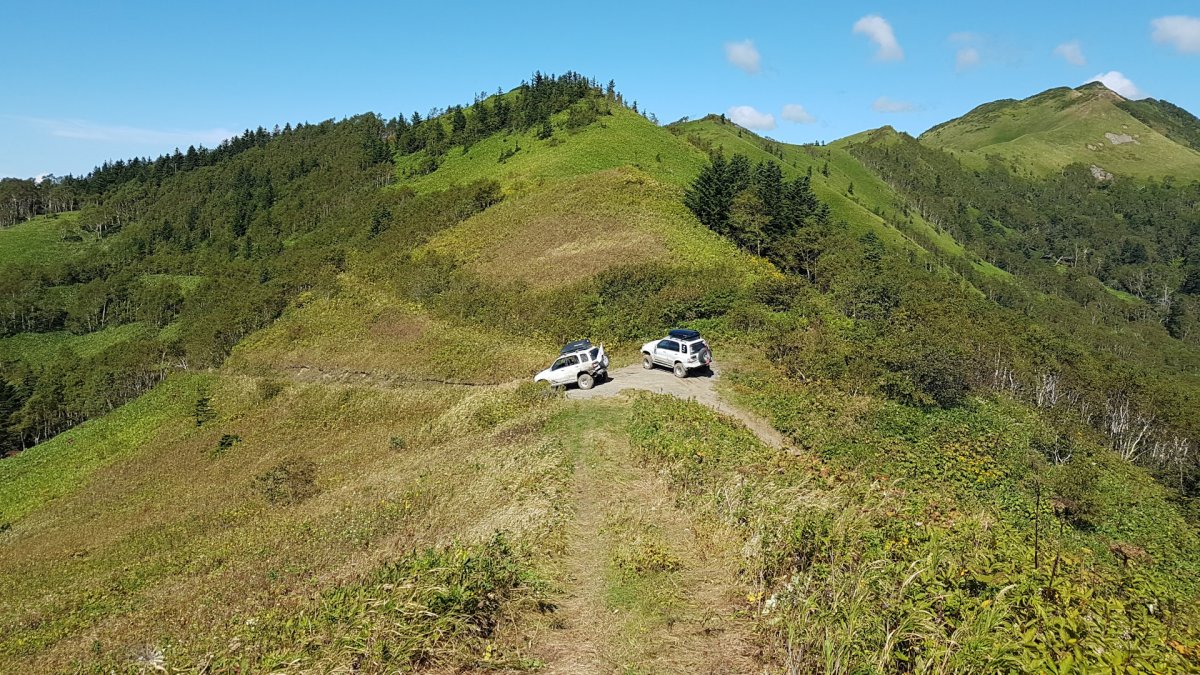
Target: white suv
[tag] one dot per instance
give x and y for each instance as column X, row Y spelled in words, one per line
column 579, row 362
column 682, row 351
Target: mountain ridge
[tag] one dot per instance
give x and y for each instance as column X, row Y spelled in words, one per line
column 331, row 457
column 1089, row 124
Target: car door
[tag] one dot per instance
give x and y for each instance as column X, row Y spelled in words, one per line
column 563, row 371
column 666, row 352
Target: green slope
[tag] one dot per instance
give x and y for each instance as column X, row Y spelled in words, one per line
column 1090, row 125
column 372, row 490
column 41, row 239
column 623, row 138
column 1168, row 119
column 872, row 206
column 40, row 349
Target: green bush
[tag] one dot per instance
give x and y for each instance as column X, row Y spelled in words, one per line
column 289, row 482
column 225, row 444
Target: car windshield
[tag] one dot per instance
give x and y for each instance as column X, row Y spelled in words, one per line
column 565, row 361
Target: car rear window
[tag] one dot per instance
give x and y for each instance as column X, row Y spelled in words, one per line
column 595, row 353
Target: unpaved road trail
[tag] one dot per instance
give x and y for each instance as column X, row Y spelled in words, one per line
column 700, row 387
column 688, row 617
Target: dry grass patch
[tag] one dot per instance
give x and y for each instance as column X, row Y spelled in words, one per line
column 366, row 333
column 583, row 226
column 176, row 551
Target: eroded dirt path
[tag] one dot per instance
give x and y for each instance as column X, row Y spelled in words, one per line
column 698, row 387
column 644, row 587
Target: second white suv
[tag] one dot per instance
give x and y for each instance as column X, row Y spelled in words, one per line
column 579, row 362
column 682, row 351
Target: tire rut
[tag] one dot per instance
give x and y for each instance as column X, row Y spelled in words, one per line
column 686, row 619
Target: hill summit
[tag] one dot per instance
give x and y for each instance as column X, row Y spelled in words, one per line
column 1090, row 124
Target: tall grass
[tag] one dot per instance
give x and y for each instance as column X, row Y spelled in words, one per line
column 857, row 572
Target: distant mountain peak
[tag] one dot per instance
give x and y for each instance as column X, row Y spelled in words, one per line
column 1090, row 124
column 1099, row 89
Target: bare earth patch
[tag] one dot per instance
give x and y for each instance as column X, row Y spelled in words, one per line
column 699, row 387
column 1120, row 139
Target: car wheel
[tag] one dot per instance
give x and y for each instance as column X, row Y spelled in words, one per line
column 647, row 362
column 586, row 381
column 680, row 370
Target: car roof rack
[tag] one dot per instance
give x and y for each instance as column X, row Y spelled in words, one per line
column 684, row 334
column 576, row 346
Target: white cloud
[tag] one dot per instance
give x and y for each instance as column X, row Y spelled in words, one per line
column 744, row 55
column 1116, row 81
column 90, row 131
column 883, row 104
column 794, row 112
column 747, row 116
column 1071, row 52
column 879, row 31
column 1182, row 32
column 966, row 59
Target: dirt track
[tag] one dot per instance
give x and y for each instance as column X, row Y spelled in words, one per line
column 699, row 387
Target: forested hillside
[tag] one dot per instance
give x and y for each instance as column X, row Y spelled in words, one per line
column 1109, row 265
column 267, row 405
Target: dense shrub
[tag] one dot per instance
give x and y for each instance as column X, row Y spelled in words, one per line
column 290, row 482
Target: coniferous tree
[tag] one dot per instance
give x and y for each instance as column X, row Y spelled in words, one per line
column 458, row 125
column 710, row 196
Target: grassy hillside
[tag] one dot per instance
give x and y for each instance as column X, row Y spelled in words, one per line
column 621, row 138
column 39, row 349
column 1168, row 119
column 1089, row 125
column 583, row 226
column 42, row 239
column 854, row 194
column 369, row 482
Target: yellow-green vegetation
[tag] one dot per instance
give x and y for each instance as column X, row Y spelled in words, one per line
column 366, row 332
column 584, row 226
column 869, row 552
column 43, row 239
column 186, row 282
column 62, row 465
column 1046, row 132
column 620, row 137
column 855, row 195
column 346, row 468
column 385, row 555
column 38, row 349
column 639, row 584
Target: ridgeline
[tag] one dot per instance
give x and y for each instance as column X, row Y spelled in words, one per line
column 267, row 406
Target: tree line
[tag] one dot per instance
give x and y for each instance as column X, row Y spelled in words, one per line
column 880, row 319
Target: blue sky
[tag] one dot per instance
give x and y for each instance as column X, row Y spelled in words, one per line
column 85, row 82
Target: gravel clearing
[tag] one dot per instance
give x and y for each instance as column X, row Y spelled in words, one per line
column 699, row 387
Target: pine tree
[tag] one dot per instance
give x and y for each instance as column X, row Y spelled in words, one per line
column 738, row 173
column 10, row 403
column 458, row 124
column 709, row 196
column 768, row 185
